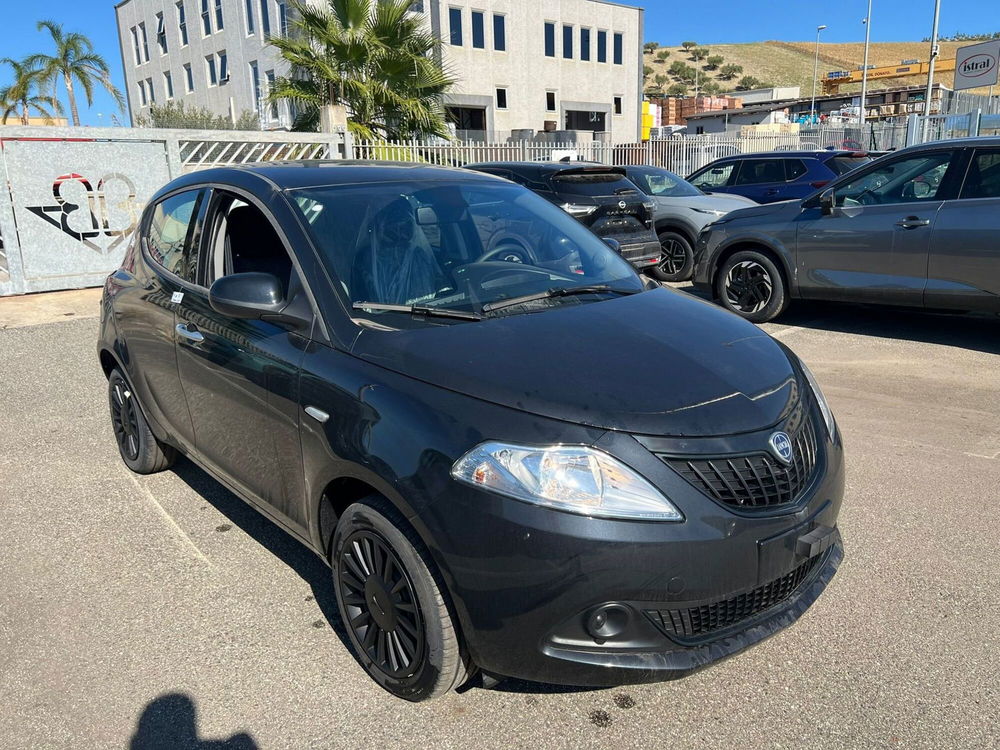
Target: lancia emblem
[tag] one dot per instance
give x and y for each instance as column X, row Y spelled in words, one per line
column 781, row 446
column 622, row 204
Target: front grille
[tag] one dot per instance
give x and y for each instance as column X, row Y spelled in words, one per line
column 756, row 480
column 697, row 621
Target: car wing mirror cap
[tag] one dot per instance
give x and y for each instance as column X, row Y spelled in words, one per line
column 827, row 201
column 613, row 244
column 255, row 296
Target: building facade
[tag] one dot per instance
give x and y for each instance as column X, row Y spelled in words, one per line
column 520, row 65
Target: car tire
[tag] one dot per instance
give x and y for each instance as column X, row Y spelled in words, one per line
column 392, row 604
column 750, row 285
column 676, row 258
column 138, row 447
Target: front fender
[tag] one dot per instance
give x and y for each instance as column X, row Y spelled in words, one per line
column 781, row 248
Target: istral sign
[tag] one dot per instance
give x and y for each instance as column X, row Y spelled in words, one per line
column 977, row 65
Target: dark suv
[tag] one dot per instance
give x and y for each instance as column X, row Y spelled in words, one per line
column 600, row 197
column 779, row 176
column 483, row 451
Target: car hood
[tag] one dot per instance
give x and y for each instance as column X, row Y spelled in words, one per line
column 656, row 363
column 712, row 201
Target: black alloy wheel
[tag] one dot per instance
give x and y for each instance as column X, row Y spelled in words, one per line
column 124, row 420
column 384, row 614
column 394, row 605
column 139, row 448
column 750, row 285
column 676, row 258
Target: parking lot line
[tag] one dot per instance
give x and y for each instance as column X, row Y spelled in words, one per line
column 169, row 519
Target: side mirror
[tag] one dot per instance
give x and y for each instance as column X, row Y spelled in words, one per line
column 613, row 244
column 827, row 201
column 254, row 296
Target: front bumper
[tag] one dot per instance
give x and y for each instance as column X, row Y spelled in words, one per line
column 526, row 580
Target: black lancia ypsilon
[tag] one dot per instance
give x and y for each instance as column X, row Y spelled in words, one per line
column 541, row 469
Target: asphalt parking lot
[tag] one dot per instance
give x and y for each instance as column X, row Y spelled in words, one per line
column 161, row 612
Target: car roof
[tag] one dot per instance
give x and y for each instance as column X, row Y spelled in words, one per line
column 792, row 154
column 289, row 175
column 547, row 168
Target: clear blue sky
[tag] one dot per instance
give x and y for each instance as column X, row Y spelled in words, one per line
column 667, row 21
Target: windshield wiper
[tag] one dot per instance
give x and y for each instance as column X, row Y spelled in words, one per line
column 557, row 292
column 429, row 311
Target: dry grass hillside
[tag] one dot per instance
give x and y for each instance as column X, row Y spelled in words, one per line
column 791, row 63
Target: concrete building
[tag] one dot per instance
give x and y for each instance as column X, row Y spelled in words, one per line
column 520, row 64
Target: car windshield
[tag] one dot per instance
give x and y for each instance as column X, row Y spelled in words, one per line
column 592, row 183
column 456, row 245
column 663, row 183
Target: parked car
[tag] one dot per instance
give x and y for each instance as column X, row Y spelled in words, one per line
column 684, row 157
column 599, row 197
column 482, row 450
column 681, row 212
column 777, row 176
column 916, row 227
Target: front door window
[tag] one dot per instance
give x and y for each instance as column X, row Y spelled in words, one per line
column 909, row 180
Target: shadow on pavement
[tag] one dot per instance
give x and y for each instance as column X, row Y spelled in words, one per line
column 170, row 723
column 270, row 536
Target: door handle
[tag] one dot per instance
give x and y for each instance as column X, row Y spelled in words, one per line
column 912, row 222
column 194, row 336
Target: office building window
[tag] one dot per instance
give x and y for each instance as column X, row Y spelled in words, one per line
column 161, row 34
column 188, row 78
column 142, row 93
column 550, row 39
column 250, row 24
column 255, row 86
column 182, row 26
column 618, row 49
column 135, row 46
column 455, row 26
column 478, row 30
column 272, row 107
column 550, row 101
column 499, row 32
column 206, row 19
column 218, row 16
column 265, row 18
column 584, row 44
column 144, row 42
column 617, row 105
column 152, row 91
column 223, row 67
column 567, row 41
column 501, row 98
column 282, row 18
column 211, row 71
column 168, row 84
column 602, row 46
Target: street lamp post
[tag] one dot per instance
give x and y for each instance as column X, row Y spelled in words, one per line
column 812, row 107
column 864, row 74
column 930, row 70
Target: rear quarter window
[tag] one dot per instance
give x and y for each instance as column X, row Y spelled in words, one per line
column 843, row 164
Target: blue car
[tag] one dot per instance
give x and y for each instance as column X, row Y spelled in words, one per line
column 777, row 176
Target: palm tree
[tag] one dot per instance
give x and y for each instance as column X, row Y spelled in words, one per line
column 22, row 96
column 373, row 56
column 74, row 60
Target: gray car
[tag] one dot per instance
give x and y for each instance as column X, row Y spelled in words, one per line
column 681, row 212
column 919, row 227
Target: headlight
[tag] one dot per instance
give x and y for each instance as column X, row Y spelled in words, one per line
column 824, row 407
column 571, row 478
column 578, row 209
column 709, row 211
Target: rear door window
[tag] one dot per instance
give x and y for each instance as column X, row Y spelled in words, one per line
column 983, row 177
column 760, row 171
column 170, row 237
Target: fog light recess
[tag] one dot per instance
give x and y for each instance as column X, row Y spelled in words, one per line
column 608, row 621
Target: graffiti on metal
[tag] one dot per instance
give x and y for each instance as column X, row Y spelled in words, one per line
column 99, row 216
